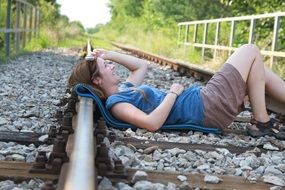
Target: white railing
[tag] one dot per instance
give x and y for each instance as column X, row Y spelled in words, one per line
column 25, row 25
column 233, row 22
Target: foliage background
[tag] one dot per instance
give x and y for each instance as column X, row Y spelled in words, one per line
column 152, row 26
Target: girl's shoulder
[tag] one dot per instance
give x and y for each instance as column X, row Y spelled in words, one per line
column 127, row 84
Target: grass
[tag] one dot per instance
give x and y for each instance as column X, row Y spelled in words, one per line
column 162, row 41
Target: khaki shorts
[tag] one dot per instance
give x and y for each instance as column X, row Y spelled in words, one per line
column 223, row 97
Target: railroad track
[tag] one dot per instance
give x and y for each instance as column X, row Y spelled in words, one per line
column 87, row 153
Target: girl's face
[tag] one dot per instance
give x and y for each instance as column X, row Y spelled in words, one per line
column 107, row 71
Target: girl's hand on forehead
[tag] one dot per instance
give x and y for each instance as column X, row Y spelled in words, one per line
column 99, row 53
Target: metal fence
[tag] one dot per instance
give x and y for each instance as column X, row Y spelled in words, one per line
column 21, row 23
column 190, row 38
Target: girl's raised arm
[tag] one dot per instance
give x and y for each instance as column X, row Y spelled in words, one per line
column 136, row 66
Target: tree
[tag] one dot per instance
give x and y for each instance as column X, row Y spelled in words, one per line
column 132, row 8
column 188, row 10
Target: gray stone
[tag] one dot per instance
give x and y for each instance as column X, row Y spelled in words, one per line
column 250, row 161
column 2, row 157
column 223, row 151
column 273, row 180
column 139, row 176
column 143, row 185
column 176, row 151
column 156, row 155
column 30, row 158
column 215, row 155
column 185, row 186
column 43, row 138
column 18, row 157
column 281, row 167
column 150, row 150
column 105, row 184
column 170, row 186
column 203, row 167
column 123, row 186
column 7, row 185
column 182, row 178
column 272, row 170
column 212, row 179
column 269, row 146
column 238, row 172
column 276, row 188
column 3, row 121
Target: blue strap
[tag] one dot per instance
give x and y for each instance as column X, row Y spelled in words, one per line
column 84, row 90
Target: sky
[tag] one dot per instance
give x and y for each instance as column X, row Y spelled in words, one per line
column 88, row 12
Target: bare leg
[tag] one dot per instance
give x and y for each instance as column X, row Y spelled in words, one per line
column 274, row 86
column 248, row 61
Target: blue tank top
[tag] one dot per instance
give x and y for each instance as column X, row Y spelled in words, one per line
column 188, row 107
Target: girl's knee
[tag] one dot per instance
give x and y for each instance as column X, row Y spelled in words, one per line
column 251, row 48
column 244, row 55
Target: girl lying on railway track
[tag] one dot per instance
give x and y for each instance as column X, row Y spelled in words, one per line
column 215, row 105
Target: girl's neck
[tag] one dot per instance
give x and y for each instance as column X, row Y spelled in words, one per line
column 110, row 90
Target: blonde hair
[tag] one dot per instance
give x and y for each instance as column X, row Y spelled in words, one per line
column 83, row 72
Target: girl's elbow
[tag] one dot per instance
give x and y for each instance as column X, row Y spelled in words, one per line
column 144, row 64
column 153, row 127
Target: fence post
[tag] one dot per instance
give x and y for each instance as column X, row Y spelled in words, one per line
column 194, row 36
column 31, row 23
column 217, row 36
column 179, row 33
column 186, row 38
column 25, row 26
column 195, row 33
column 35, row 22
column 17, row 33
column 232, row 35
column 38, row 19
column 274, row 38
column 7, row 32
column 251, row 31
column 186, row 34
column 204, row 39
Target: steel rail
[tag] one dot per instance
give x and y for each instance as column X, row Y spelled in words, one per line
column 176, row 65
column 81, row 174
